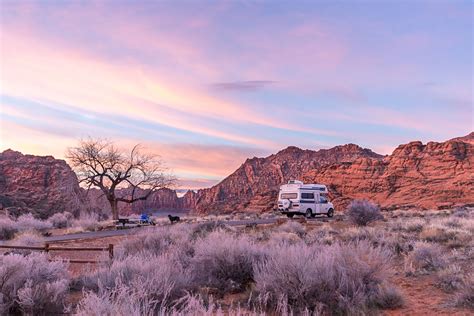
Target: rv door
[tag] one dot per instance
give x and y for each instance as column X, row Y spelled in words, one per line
column 323, row 203
column 317, row 206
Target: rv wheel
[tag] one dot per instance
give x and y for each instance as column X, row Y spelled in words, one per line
column 308, row 213
column 330, row 212
column 290, row 215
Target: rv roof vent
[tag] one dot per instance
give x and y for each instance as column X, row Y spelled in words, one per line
column 295, row 182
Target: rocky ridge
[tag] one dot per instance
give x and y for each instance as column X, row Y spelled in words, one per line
column 435, row 175
column 254, row 185
column 432, row 175
column 41, row 185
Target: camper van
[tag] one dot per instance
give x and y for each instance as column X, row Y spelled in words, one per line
column 297, row 198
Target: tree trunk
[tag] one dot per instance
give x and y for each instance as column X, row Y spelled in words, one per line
column 114, row 207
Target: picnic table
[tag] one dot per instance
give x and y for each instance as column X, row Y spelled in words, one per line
column 144, row 220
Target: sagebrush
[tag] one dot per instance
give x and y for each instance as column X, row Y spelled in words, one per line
column 32, row 284
column 363, row 212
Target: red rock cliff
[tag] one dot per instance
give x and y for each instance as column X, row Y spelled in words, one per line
column 255, row 184
column 162, row 199
column 41, row 185
column 434, row 175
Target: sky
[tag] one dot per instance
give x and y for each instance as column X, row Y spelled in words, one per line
column 207, row 84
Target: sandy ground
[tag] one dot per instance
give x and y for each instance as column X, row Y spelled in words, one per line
column 423, row 298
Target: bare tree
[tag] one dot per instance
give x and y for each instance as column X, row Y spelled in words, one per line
column 99, row 163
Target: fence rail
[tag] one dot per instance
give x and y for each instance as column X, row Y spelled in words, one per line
column 47, row 248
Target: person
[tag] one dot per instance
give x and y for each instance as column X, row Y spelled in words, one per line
column 144, row 218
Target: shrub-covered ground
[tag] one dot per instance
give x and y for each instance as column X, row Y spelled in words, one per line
column 11, row 228
column 394, row 264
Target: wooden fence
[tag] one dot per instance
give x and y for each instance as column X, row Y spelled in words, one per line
column 47, row 248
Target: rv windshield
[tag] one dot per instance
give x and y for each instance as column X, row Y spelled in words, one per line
column 285, row 196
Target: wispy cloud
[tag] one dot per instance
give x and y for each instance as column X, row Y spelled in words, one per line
column 250, row 85
column 303, row 74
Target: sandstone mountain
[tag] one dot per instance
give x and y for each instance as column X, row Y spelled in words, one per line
column 434, row 175
column 254, row 185
column 43, row 185
column 37, row 184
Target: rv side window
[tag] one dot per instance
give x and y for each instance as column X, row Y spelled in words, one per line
column 285, row 196
column 323, row 199
column 307, row 195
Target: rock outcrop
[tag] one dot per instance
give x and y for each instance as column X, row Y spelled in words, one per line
column 254, row 185
column 41, row 185
column 434, row 175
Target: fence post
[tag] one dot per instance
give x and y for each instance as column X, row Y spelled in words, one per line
column 111, row 251
column 46, row 247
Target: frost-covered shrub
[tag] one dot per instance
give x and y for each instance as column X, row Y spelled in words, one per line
column 8, row 228
column 292, row 227
column 88, row 222
column 61, row 220
column 363, row 212
column 46, row 298
column 224, row 261
column 424, row 258
column 32, row 284
column 201, row 230
column 260, row 235
column 435, row 233
column 388, row 297
column 127, row 301
column 277, row 238
column 452, row 222
column 161, row 279
column 354, row 234
column 323, row 235
column 27, row 239
column 468, row 224
column 122, row 300
column 450, row 279
column 397, row 244
column 411, row 225
column 192, row 304
column 464, row 297
column 461, row 239
column 158, row 241
column 461, row 212
column 340, row 279
column 28, row 222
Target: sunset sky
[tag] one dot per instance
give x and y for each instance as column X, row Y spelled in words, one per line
column 207, row 84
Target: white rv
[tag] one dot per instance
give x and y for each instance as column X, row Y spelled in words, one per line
column 296, row 198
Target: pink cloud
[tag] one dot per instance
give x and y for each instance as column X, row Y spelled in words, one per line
column 77, row 80
column 192, row 164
